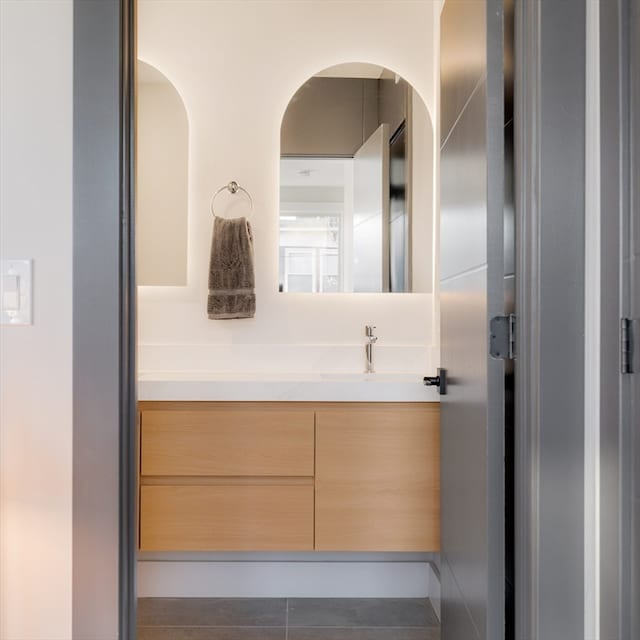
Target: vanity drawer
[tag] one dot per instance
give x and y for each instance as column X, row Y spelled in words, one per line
column 226, row 517
column 227, row 441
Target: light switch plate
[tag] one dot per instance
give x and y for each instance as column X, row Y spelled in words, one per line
column 16, row 289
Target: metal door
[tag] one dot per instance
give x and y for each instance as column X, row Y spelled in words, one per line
column 476, row 284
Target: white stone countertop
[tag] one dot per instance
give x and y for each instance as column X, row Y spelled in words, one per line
column 294, row 387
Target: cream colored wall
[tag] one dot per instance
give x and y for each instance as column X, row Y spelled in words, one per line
column 236, row 66
column 35, row 361
column 162, row 161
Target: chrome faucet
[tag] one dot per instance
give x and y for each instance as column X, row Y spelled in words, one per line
column 371, row 340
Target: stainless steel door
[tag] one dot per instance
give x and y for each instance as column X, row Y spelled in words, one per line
column 475, row 284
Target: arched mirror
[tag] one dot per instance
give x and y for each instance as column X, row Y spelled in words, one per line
column 356, row 185
column 162, row 148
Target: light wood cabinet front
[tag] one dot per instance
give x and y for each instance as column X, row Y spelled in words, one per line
column 226, row 517
column 239, row 476
column 222, row 440
column 378, row 478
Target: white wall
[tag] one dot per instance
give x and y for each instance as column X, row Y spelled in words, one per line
column 236, row 66
column 35, row 363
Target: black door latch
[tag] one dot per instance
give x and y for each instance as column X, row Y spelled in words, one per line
column 439, row 381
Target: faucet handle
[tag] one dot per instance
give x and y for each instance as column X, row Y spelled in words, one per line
column 368, row 330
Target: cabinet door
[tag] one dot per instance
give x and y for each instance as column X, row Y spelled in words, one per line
column 378, row 478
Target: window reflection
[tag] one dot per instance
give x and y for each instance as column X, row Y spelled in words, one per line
column 312, row 223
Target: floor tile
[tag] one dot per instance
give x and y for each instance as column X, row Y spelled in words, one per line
column 326, row 633
column 211, row 633
column 361, row 612
column 212, row 612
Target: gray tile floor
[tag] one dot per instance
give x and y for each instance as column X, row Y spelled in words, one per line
column 286, row 619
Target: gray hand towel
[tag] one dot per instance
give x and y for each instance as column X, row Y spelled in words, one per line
column 231, row 274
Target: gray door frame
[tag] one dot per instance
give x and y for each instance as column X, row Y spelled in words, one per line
column 104, row 322
column 619, row 548
column 550, row 283
column 549, row 131
column 630, row 445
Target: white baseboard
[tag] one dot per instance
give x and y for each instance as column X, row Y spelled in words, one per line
column 233, row 579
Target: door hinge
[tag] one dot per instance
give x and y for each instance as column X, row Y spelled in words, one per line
column 502, row 337
column 626, row 345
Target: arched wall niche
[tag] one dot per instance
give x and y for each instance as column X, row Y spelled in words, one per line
column 162, row 164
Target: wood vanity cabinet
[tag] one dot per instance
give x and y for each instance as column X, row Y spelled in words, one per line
column 244, row 476
column 377, row 478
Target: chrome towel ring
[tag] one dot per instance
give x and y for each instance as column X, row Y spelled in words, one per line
column 232, row 187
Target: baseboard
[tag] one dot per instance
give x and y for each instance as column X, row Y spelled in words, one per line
column 237, row 579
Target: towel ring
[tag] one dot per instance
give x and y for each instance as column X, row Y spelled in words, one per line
column 232, row 187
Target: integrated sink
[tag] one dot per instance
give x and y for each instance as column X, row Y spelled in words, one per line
column 301, row 387
column 372, row 377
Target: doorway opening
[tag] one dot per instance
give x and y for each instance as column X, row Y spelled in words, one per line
column 281, row 492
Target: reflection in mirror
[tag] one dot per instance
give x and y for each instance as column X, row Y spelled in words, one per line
column 161, row 180
column 353, row 217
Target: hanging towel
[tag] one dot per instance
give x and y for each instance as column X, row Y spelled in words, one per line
column 231, row 274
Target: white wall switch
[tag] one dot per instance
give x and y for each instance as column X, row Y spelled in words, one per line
column 15, row 292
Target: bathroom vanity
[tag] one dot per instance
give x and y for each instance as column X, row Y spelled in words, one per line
column 289, row 476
